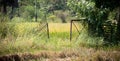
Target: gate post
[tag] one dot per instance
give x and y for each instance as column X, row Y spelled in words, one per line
column 48, row 31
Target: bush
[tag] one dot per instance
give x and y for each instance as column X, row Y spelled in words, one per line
column 62, row 15
column 3, row 30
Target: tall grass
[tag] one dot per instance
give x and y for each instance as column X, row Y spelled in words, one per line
column 25, row 37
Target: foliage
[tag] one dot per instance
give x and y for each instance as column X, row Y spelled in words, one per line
column 5, row 3
column 43, row 8
column 94, row 17
column 97, row 13
column 111, row 5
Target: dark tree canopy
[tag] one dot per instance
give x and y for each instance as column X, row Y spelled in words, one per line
column 5, row 3
column 111, row 4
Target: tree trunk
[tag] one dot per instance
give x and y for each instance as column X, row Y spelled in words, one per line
column 118, row 26
column 4, row 9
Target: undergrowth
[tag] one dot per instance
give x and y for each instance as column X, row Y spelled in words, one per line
column 26, row 37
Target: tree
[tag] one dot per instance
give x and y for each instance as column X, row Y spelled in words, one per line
column 11, row 3
column 112, row 5
column 94, row 17
column 5, row 3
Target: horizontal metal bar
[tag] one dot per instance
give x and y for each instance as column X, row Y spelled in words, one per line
column 78, row 19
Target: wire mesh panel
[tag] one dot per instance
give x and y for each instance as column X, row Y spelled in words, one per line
column 76, row 28
column 42, row 31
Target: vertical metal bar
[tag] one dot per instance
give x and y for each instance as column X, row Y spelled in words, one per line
column 71, row 30
column 48, row 31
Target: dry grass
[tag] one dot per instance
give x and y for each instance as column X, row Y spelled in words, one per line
column 53, row 27
column 81, row 54
column 61, row 27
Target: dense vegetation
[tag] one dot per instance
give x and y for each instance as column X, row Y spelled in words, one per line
column 97, row 14
column 22, row 21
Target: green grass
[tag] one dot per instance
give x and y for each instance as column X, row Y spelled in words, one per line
column 23, row 44
column 26, row 38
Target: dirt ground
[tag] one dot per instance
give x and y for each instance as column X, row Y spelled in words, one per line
column 67, row 55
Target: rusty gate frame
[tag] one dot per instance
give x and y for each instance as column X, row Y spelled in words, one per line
column 71, row 26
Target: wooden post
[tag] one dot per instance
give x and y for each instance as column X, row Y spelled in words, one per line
column 48, row 31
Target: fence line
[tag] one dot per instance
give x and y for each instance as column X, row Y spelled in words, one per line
column 42, row 27
column 71, row 26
